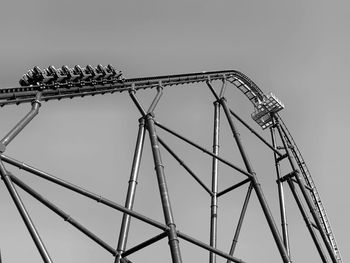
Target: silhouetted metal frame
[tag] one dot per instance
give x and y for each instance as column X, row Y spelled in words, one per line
column 281, row 198
column 9, row 184
column 254, row 180
column 304, row 193
column 148, row 122
column 130, row 196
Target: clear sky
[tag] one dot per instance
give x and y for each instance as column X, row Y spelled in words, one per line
column 299, row 50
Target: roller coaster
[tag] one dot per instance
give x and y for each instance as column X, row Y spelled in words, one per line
column 39, row 86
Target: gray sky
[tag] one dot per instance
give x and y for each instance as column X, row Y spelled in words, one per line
column 298, row 50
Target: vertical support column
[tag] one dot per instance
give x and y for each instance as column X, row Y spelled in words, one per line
column 214, row 184
column 240, row 221
column 124, row 229
column 257, row 187
column 164, row 195
column 280, row 195
column 24, row 214
column 305, row 194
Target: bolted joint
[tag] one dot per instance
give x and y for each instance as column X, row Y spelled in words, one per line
column 132, row 89
column 141, row 121
column 150, row 116
column 36, row 103
column 222, row 99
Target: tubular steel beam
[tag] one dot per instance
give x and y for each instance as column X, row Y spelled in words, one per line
column 164, row 195
column 24, row 214
column 209, row 248
column 284, row 224
column 62, row 214
column 144, row 244
column 257, row 187
column 23, row 123
column 240, row 221
column 181, row 162
column 229, row 189
column 307, row 221
column 203, row 149
column 156, row 99
column 255, row 133
column 214, row 184
column 83, row 192
column 136, row 102
column 306, row 195
column 124, row 229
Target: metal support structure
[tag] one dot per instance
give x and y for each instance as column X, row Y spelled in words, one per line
column 203, row 149
column 24, row 214
column 214, row 182
column 257, row 187
column 83, row 192
column 61, row 213
column 168, row 214
column 24, row 122
column 51, row 84
column 307, row 221
column 11, row 188
column 159, row 168
column 145, row 244
column 305, row 194
column 281, row 199
column 240, row 221
column 124, row 229
column 182, row 163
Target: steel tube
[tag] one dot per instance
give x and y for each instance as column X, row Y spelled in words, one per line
column 164, row 195
column 124, row 229
column 156, row 99
column 229, row 189
column 181, row 162
column 137, row 103
column 257, row 187
column 202, row 149
column 255, row 133
column 240, row 221
column 305, row 194
column 62, row 214
column 209, row 248
column 281, row 199
column 307, row 221
column 24, row 214
column 82, row 191
column 214, row 182
column 23, row 123
column 144, row 244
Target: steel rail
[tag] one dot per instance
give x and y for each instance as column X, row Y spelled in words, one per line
column 25, row 94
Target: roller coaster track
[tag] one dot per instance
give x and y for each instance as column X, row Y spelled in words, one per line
column 319, row 208
column 69, row 89
column 57, row 91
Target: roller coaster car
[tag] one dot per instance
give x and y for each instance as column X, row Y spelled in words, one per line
column 72, row 76
column 84, row 74
column 58, row 74
column 94, row 72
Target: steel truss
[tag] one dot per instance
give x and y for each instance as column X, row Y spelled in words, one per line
column 282, row 145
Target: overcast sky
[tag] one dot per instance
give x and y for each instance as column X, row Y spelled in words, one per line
column 299, row 50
